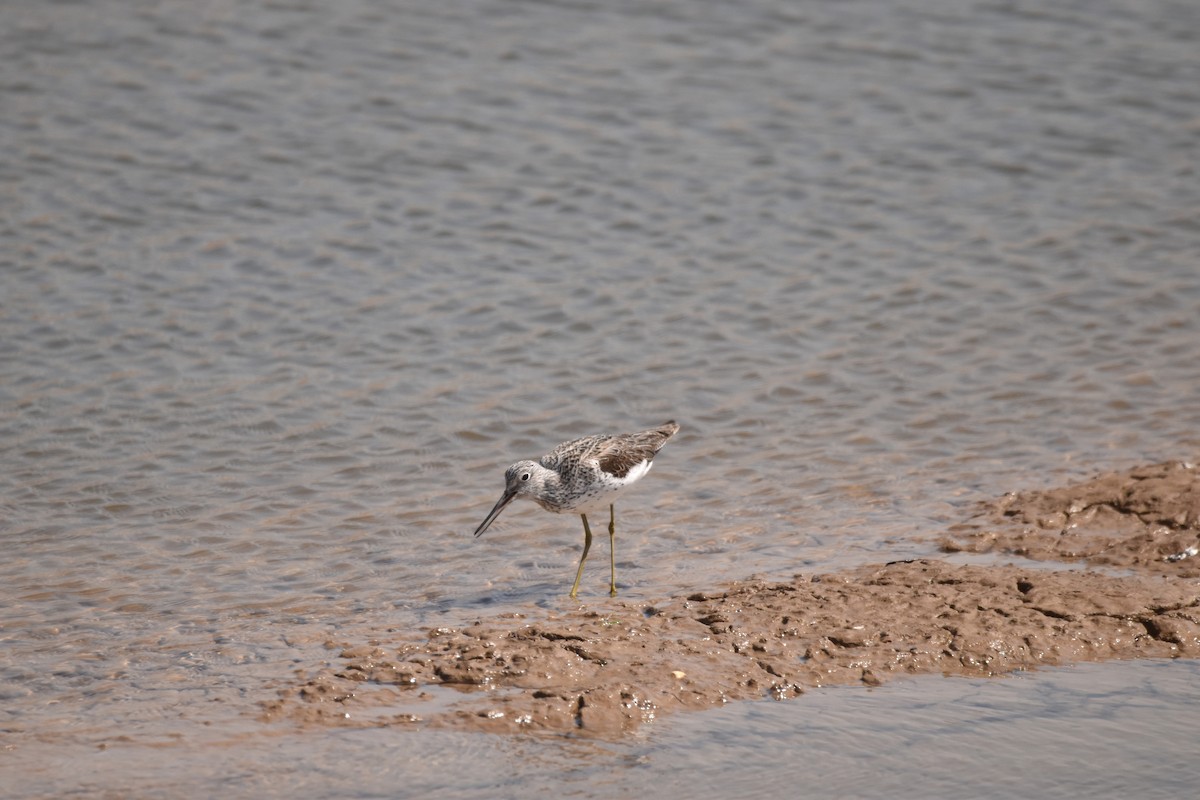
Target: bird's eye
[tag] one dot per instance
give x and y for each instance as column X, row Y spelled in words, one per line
column 524, row 476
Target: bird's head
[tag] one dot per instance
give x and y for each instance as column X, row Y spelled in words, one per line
column 522, row 479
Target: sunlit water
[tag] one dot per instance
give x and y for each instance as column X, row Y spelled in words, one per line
column 284, row 287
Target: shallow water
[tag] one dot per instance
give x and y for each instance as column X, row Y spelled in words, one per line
column 284, row 287
column 1096, row 730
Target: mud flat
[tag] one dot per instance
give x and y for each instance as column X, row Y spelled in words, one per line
column 1133, row 592
column 1145, row 520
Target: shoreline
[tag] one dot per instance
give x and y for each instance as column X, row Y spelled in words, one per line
column 606, row 673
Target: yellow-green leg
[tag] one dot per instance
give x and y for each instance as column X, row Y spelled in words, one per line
column 612, row 551
column 587, row 545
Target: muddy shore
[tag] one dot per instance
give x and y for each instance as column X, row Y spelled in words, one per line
column 1122, row 580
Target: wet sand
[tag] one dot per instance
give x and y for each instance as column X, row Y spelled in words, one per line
column 607, row 669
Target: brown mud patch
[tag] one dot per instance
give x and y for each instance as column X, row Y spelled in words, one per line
column 1146, row 519
column 606, row 672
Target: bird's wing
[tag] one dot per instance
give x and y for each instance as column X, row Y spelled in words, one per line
column 617, row 455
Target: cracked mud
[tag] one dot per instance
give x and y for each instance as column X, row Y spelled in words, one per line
column 606, row 673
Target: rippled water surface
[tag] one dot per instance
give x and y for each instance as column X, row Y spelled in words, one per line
column 284, row 287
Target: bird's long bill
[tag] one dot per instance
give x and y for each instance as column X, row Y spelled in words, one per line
column 504, row 500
